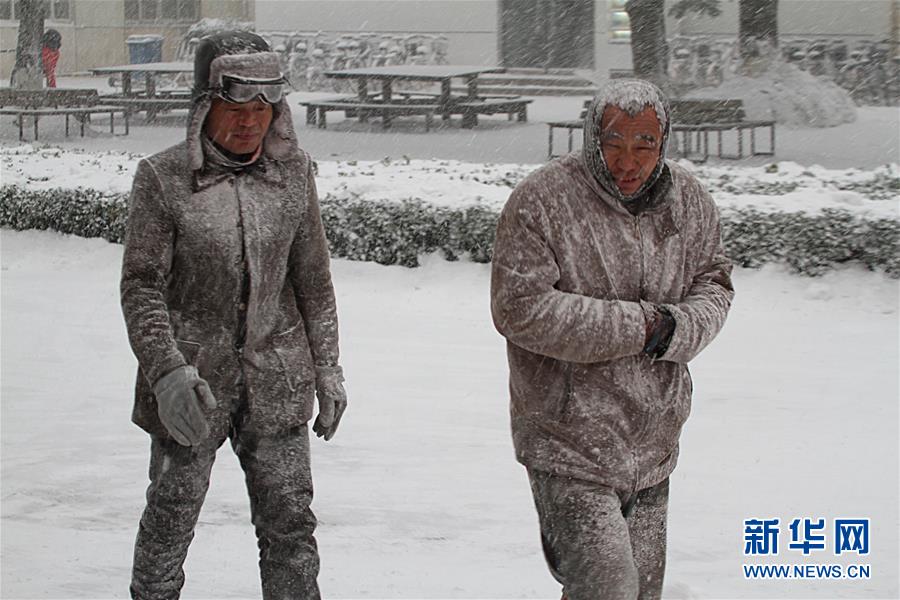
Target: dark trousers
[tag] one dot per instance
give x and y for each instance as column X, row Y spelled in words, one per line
column 601, row 544
column 279, row 482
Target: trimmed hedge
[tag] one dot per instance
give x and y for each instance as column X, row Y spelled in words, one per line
column 398, row 232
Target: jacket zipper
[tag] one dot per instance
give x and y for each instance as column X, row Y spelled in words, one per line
column 644, row 420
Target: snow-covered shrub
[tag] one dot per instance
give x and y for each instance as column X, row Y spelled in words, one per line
column 390, row 232
column 398, row 232
column 83, row 212
column 811, row 243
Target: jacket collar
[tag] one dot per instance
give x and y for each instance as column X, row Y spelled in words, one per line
column 263, row 168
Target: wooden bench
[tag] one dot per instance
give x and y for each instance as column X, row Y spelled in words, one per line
column 486, row 104
column 316, row 110
column 80, row 103
column 513, row 106
column 568, row 126
column 152, row 106
column 694, row 120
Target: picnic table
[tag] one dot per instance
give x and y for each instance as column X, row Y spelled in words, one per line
column 693, row 121
column 68, row 102
column 388, row 105
column 151, row 99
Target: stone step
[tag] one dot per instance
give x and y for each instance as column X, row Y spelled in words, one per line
column 543, row 80
column 529, row 90
column 534, row 71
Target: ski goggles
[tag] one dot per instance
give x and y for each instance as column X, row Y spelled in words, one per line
column 244, row 89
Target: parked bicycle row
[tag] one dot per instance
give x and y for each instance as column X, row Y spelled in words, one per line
column 306, row 56
column 866, row 69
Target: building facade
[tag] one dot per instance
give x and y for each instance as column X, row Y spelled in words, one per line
column 577, row 34
column 94, row 32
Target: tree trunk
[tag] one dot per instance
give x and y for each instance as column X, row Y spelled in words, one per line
column 649, row 51
column 28, row 72
column 757, row 33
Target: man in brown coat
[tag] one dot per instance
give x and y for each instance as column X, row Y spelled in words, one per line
column 227, row 296
column 608, row 278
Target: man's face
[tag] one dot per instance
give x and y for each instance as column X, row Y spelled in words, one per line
column 631, row 146
column 238, row 127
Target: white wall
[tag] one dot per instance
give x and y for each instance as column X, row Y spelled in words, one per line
column 470, row 25
column 803, row 18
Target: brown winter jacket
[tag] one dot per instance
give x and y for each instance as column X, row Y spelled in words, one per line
column 575, row 277
column 182, row 279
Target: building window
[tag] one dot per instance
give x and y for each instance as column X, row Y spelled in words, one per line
column 619, row 24
column 61, row 10
column 146, row 11
column 57, row 10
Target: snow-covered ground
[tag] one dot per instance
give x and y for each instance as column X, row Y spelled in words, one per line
column 795, row 415
column 783, row 186
column 870, row 141
column 795, row 406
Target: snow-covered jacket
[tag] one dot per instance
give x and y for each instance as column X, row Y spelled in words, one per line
column 228, row 269
column 187, row 239
column 575, row 278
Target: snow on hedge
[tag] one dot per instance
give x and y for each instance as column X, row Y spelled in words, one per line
column 779, row 187
column 394, row 211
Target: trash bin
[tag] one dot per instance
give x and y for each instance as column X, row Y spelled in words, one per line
column 144, row 48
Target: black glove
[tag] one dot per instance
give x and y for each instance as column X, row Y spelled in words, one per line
column 659, row 333
column 178, row 397
column 332, row 400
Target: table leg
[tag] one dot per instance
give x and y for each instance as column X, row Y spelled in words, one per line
column 67, row 124
column 126, row 84
column 444, row 99
column 386, row 93
column 362, row 93
column 470, row 118
column 35, row 127
column 550, row 143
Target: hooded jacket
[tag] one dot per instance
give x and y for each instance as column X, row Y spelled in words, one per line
column 228, row 270
column 575, row 278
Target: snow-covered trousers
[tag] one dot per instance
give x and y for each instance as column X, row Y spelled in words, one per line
column 601, row 544
column 279, row 482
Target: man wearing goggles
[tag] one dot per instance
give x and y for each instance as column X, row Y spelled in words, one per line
column 244, row 89
column 241, row 113
column 228, row 301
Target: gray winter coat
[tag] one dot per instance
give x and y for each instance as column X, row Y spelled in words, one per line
column 575, row 278
column 187, row 235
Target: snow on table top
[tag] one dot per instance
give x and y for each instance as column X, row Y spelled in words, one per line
column 784, row 186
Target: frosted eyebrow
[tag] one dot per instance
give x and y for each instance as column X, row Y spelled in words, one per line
column 642, row 137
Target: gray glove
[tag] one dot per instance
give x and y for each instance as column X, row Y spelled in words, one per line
column 332, row 400
column 178, row 396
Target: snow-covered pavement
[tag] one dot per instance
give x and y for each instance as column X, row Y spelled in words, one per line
column 795, row 415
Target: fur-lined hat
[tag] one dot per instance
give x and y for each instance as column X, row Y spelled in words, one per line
column 240, row 54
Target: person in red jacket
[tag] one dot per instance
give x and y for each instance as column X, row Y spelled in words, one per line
column 51, row 42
